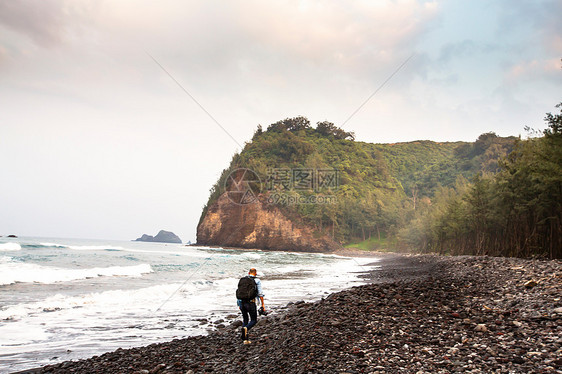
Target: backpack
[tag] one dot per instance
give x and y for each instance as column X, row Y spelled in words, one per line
column 247, row 289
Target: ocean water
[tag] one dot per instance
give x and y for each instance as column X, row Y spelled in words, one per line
column 65, row 299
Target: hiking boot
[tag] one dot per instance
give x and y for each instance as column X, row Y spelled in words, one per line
column 244, row 334
column 247, row 342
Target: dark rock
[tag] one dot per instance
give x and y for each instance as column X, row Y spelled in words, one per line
column 161, row 237
column 158, row 368
column 518, row 360
column 145, row 238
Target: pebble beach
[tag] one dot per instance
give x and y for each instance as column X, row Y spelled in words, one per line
column 417, row 314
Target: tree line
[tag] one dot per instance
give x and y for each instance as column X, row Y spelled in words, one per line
column 516, row 211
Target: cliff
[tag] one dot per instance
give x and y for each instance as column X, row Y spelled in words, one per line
column 348, row 191
column 257, row 225
column 162, row 237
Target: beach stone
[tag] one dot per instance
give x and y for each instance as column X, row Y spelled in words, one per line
column 518, row 360
column 158, row 368
column 530, row 284
column 481, row 328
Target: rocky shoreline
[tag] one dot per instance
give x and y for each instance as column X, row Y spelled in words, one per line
column 420, row 314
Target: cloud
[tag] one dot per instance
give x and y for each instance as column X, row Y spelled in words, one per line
column 47, row 23
column 553, row 28
column 42, row 21
column 549, row 69
column 277, row 41
column 542, row 19
column 275, row 59
column 224, row 45
column 338, row 35
column 3, row 54
column 465, row 48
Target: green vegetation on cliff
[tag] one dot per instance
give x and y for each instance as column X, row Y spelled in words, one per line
column 514, row 212
column 457, row 197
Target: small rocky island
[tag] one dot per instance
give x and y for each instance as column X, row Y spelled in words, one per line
column 162, row 237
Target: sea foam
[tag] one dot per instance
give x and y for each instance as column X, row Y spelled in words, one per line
column 10, row 247
column 80, row 247
column 118, row 303
column 94, row 247
column 13, row 272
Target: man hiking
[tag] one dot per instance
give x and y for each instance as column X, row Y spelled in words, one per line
column 249, row 290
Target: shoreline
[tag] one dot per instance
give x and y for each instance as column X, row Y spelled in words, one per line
column 346, row 252
column 419, row 313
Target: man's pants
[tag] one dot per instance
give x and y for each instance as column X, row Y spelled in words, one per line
column 249, row 308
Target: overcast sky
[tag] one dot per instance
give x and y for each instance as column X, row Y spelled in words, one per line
column 97, row 141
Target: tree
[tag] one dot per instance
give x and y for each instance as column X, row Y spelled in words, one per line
column 554, row 123
column 290, row 124
column 258, row 132
column 326, row 128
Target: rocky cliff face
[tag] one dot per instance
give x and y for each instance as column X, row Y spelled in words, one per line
column 257, row 225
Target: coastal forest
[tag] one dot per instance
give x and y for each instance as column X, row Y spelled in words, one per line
column 499, row 196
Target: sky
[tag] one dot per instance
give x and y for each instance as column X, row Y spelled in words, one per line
column 117, row 117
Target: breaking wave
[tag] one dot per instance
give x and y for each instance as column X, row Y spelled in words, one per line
column 10, row 247
column 16, row 272
column 75, row 247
